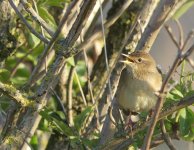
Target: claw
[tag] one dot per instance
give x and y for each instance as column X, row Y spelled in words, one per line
column 124, row 55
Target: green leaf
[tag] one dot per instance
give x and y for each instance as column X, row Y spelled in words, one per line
column 34, row 142
column 91, row 143
column 63, row 127
column 80, row 119
column 45, row 114
column 58, row 3
column 4, row 75
column 44, row 125
column 21, row 75
column 186, row 123
column 71, row 61
column 177, row 93
column 47, row 17
column 33, row 40
column 190, row 93
column 183, row 9
column 57, row 122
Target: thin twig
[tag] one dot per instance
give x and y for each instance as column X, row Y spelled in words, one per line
column 173, row 38
column 191, row 62
column 117, row 14
column 111, row 115
column 80, row 88
column 90, row 31
column 88, row 77
column 105, row 50
column 181, row 34
column 43, row 33
column 59, row 101
column 190, row 35
column 166, row 136
column 188, row 53
column 156, row 142
column 26, row 23
column 69, row 95
column 90, row 86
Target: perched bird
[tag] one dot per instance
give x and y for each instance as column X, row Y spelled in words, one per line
column 139, row 82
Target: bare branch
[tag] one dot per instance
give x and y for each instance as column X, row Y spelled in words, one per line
column 60, row 102
column 190, row 35
column 181, row 34
column 98, row 34
column 173, row 38
column 160, row 16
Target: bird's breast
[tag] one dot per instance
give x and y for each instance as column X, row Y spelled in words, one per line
column 136, row 95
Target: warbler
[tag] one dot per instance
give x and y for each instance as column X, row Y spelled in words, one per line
column 139, row 82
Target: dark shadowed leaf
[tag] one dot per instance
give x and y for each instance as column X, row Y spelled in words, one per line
column 80, row 119
column 186, row 123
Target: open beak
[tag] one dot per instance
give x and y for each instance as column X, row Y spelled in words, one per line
column 128, row 59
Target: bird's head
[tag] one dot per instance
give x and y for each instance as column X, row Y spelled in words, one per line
column 139, row 63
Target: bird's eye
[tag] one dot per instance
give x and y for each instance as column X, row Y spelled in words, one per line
column 139, row 60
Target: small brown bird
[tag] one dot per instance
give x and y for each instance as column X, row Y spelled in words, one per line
column 139, row 82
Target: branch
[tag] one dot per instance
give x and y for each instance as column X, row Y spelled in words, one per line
column 173, row 38
column 164, row 11
column 15, row 95
column 177, row 106
column 181, row 34
column 180, row 57
column 109, row 22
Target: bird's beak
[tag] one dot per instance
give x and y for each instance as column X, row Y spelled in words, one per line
column 128, row 60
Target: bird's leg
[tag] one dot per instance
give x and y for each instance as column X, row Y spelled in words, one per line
column 128, row 122
column 131, row 120
column 151, row 112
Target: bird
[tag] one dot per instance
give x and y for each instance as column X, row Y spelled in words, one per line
column 139, row 83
